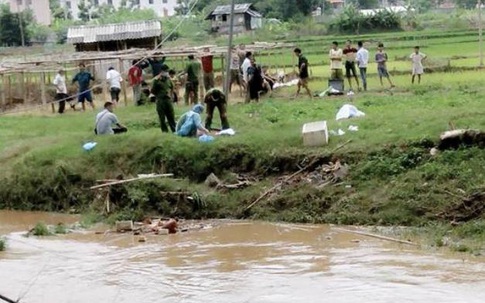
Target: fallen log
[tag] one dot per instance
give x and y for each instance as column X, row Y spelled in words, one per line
column 8, row 300
column 361, row 233
column 315, row 160
column 131, row 180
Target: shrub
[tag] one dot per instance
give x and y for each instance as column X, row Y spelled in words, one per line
column 3, row 244
column 351, row 20
column 41, row 229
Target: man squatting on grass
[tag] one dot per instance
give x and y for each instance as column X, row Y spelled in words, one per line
column 190, row 123
column 362, row 62
column 105, row 119
column 83, row 79
column 302, row 73
column 350, row 53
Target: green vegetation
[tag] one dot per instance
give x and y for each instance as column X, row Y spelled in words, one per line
column 3, row 244
column 393, row 180
column 41, row 229
column 60, row 229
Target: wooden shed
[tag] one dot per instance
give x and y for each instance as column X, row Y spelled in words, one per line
column 115, row 37
column 246, row 18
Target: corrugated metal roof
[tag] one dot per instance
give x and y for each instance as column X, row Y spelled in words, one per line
column 238, row 9
column 114, row 32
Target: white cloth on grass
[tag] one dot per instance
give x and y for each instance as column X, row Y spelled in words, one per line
column 348, row 111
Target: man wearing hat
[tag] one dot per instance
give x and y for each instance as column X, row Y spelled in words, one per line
column 105, row 119
column 162, row 88
column 215, row 98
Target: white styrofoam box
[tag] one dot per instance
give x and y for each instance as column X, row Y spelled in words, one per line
column 315, row 133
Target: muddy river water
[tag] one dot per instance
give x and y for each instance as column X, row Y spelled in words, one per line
column 233, row 262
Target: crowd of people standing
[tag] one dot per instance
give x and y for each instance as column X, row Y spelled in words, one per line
column 253, row 81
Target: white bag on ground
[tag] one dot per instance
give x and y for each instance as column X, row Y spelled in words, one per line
column 348, row 111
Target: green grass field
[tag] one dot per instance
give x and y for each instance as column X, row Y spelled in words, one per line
column 393, row 179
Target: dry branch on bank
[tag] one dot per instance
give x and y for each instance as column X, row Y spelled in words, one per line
column 468, row 208
column 322, row 176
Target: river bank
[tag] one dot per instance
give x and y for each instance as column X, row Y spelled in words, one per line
column 392, row 179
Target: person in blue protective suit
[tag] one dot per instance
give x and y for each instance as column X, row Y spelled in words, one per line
column 190, row 123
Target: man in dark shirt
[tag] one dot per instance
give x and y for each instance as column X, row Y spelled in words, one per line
column 215, row 98
column 83, row 79
column 350, row 54
column 302, row 73
column 156, row 65
column 192, row 72
column 162, row 88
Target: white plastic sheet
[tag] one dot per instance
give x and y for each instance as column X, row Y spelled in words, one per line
column 348, row 111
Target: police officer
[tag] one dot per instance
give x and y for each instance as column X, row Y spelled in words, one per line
column 162, row 88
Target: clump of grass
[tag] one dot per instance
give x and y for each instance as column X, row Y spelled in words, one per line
column 60, row 229
column 3, row 244
column 89, row 219
column 41, row 229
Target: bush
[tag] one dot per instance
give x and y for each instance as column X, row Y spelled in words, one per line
column 351, row 20
column 41, row 229
column 3, row 244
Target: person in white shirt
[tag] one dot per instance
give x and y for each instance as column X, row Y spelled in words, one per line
column 245, row 65
column 362, row 62
column 417, row 58
column 113, row 77
column 104, row 121
column 336, row 56
column 61, row 90
column 244, row 68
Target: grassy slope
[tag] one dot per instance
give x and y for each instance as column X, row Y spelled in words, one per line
column 393, row 179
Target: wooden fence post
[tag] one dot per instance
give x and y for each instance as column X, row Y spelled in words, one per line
column 223, row 71
column 22, row 88
column 123, row 84
column 4, row 88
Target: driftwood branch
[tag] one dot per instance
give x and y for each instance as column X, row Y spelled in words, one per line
column 292, row 176
column 8, row 300
column 131, row 180
column 376, row 236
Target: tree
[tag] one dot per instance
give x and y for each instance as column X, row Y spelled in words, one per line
column 57, row 11
column 365, row 4
column 466, row 3
column 13, row 26
column 83, row 8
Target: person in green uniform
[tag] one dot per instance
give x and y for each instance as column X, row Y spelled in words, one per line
column 215, row 98
column 162, row 88
column 192, row 71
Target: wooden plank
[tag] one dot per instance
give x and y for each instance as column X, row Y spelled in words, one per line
column 123, row 83
column 9, row 87
column 4, row 88
column 22, row 88
column 42, row 89
column 131, row 180
column 223, row 74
